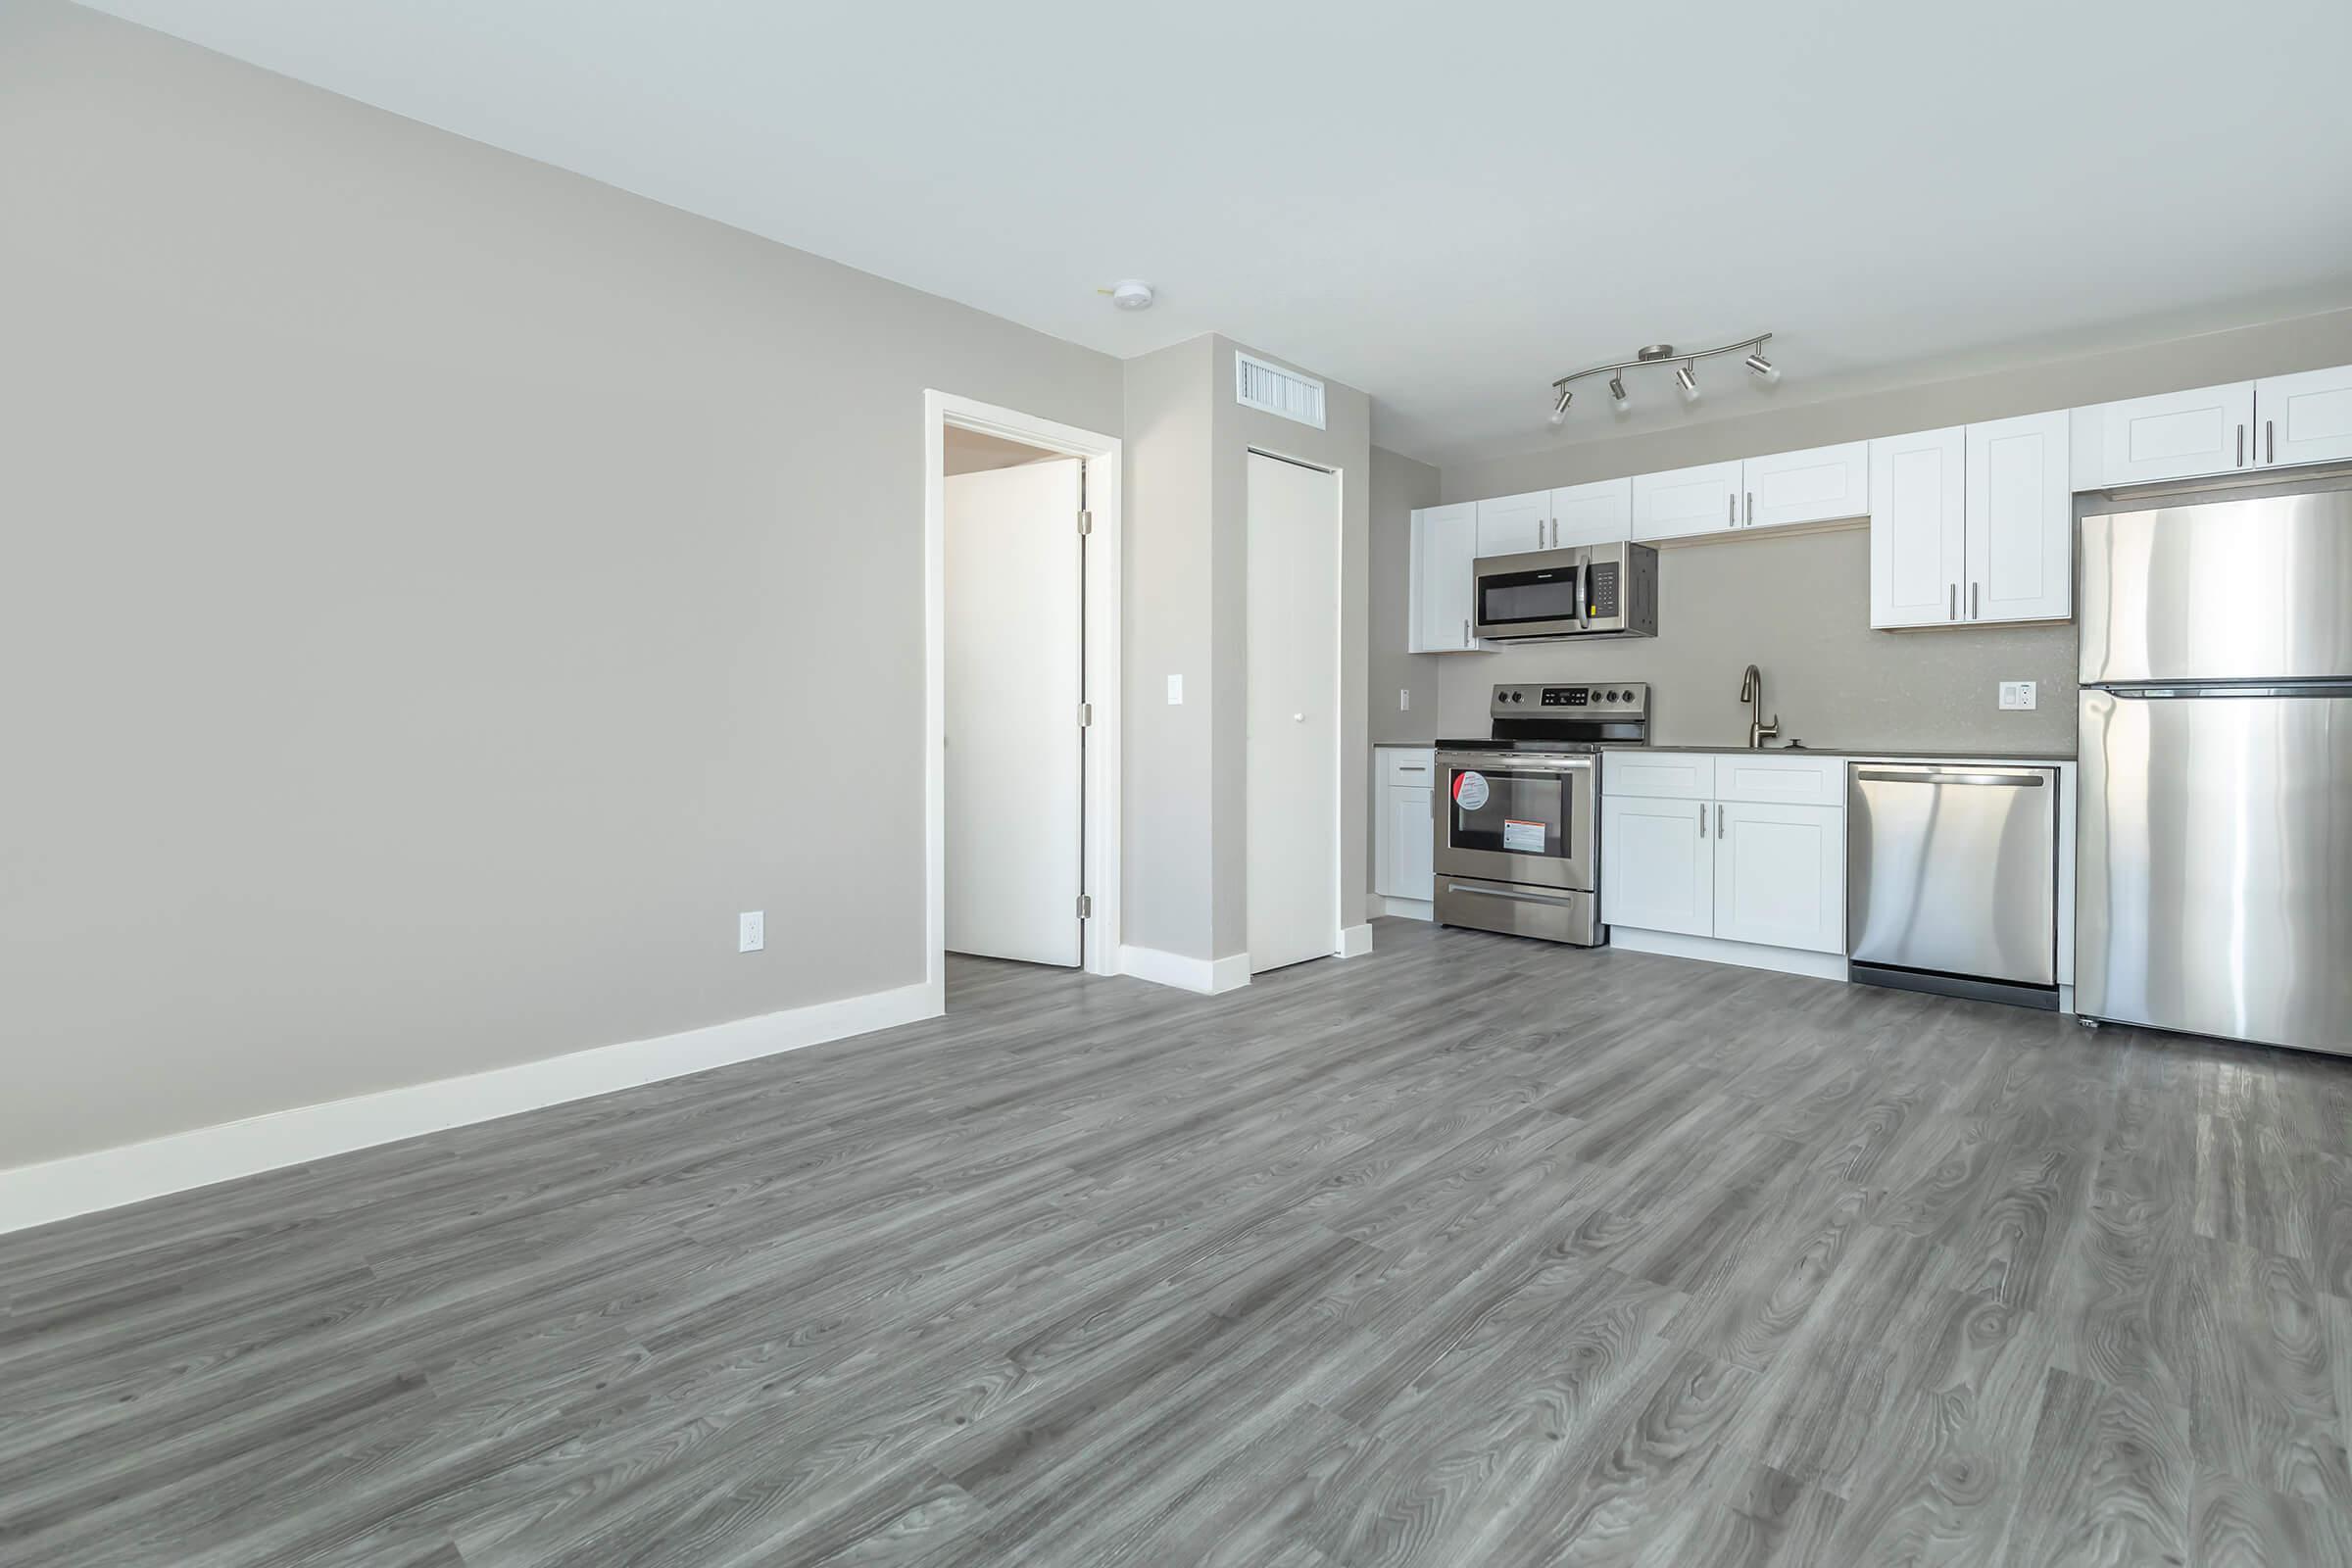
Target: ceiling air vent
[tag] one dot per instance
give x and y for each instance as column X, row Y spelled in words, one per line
column 1259, row 385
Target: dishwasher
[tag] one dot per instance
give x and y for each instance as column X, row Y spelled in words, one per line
column 1951, row 880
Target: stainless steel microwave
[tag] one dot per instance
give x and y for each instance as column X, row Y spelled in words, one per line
column 1587, row 591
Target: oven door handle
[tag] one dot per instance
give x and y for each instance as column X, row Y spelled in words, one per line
column 1487, row 890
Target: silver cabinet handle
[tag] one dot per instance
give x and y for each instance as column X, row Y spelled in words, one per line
column 1731, row 510
column 2241, row 448
column 1539, row 533
column 1465, row 634
column 1703, row 819
column 1972, row 601
column 1952, row 602
column 1751, row 509
column 1719, row 821
column 1410, row 767
column 2269, row 441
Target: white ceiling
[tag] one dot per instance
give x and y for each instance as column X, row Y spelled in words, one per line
column 1446, row 206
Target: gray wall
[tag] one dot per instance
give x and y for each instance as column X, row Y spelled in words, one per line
column 1401, row 486
column 1799, row 606
column 429, row 579
column 1170, row 857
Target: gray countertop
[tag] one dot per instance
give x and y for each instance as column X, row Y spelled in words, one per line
column 1906, row 753
column 1982, row 754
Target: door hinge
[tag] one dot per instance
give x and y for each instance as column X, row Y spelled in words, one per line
column 1086, row 522
column 1086, row 906
column 1086, row 714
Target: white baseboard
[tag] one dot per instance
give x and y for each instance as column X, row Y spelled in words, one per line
column 1407, row 908
column 108, row 1178
column 1747, row 955
column 1355, row 941
column 1208, row 976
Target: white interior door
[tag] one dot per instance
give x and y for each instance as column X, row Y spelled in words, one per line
column 1015, row 641
column 1294, row 787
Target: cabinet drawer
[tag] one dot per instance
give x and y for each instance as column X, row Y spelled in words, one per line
column 1774, row 779
column 1408, row 767
column 1659, row 776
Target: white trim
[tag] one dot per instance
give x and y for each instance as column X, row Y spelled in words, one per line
column 1104, row 571
column 1355, row 940
column 1407, row 908
column 83, row 1184
column 1208, row 976
column 1715, row 949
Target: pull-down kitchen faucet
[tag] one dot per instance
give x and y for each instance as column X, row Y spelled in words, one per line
column 1752, row 690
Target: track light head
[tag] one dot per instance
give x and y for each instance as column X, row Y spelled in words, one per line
column 1559, row 410
column 1617, row 393
column 1688, row 382
column 1763, row 367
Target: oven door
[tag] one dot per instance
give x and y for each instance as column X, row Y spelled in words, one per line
column 1510, row 817
column 1538, row 594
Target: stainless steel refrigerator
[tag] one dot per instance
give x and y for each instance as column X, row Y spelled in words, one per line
column 2214, row 852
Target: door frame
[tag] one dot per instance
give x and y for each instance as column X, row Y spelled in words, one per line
column 1098, row 945
column 1339, row 666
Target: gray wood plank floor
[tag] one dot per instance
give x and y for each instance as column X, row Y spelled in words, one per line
column 1472, row 1251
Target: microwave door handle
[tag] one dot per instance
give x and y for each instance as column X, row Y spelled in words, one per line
column 1583, row 567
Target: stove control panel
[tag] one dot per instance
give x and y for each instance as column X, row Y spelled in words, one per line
column 1613, row 700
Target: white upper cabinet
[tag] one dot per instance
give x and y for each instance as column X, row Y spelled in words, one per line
column 1597, row 514
column 2304, row 418
column 1811, row 486
column 1918, row 527
column 1444, row 544
column 1509, row 525
column 2175, row 436
column 1687, row 501
column 2021, row 518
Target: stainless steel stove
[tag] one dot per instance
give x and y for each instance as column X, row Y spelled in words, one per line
column 1518, row 815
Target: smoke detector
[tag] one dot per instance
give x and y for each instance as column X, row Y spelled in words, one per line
column 1132, row 294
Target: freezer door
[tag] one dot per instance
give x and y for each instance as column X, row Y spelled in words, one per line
column 2214, row 864
column 1953, row 870
column 2235, row 590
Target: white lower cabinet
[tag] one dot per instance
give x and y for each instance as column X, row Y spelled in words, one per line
column 1405, row 845
column 1768, row 870
column 1780, row 875
column 1657, row 864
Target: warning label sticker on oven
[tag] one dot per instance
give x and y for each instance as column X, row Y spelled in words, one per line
column 1526, row 836
column 1470, row 791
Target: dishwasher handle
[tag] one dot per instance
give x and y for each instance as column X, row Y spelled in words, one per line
column 2017, row 781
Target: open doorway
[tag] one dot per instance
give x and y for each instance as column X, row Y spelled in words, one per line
column 1022, row 533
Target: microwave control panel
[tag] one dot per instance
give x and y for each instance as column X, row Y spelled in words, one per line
column 1601, row 590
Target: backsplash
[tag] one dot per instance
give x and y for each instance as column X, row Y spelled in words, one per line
column 1798, row 608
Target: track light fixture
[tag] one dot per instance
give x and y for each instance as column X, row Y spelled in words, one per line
column 1685, row 374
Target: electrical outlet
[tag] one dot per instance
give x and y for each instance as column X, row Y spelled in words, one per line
column 1405, row 698
column 2018, row 694
column 750, row 931
column 1175, row 691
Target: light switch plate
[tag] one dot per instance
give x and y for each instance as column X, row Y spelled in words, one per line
column 750, row 931
column 1405, row 698
column 1175, row 691
column 2017, row 694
